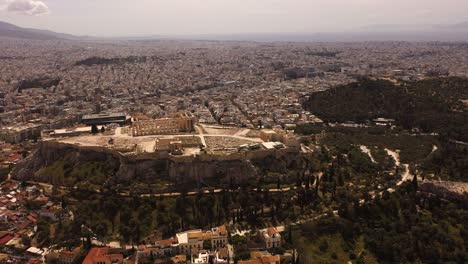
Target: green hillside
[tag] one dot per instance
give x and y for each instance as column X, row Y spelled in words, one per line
column 434, row 105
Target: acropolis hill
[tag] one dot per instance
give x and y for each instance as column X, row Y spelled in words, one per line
column 177, row 149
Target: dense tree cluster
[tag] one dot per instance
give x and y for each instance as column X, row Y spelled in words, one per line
column 400, row 227
column 108, row 61
column 67, row 172
column 132, row 218
column 434, row 157
column 448, row 163
column 433, row 105
column 39, row 82
column 327, row 54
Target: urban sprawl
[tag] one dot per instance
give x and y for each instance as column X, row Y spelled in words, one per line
column 180, row 99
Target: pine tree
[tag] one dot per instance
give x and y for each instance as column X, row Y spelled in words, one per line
column 94, row 129
column 317, row 187
column 415, row 183
column 89, row 243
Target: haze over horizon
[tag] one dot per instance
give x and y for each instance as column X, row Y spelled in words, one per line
column 114, row 18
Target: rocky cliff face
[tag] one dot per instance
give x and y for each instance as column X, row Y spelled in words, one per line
column 127, row 169
column 181, row 172
column 452, row 191
column 48, row 152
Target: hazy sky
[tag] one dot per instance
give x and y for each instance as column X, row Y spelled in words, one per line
column 176, row 17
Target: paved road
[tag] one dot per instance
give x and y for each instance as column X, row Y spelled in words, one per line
column 201, row 133
column 242, row 132
column 238, row 137
column 167, row 194
column 175, row 194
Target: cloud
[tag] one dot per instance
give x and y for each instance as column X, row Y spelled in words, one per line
column 25, row 7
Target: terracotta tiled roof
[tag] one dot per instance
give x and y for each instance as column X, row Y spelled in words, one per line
column 272, row 231
column 31, row 218
column 33, row 261
column 167, row 242
column 100, row 255
column 4, row 239
column 250, row 261
column 14, row 157
column 195, row 235
column 270, row 259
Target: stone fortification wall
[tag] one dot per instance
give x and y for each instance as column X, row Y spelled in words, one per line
column 148, row 167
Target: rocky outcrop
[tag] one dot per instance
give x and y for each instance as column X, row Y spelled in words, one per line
column 127, row 169
column 452, row 191
column 48, row 152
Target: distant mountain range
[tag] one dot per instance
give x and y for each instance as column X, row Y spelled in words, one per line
column 463, row 26
column 8, row 30
column 440, row 32
column 417, row 27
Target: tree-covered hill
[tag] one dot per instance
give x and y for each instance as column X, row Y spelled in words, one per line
column 433, row 105
column 400, row 227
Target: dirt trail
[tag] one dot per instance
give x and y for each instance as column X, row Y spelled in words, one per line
column 367, row 151
column 396, row 156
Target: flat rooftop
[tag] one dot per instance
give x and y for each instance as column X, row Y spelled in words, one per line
column 104, row 115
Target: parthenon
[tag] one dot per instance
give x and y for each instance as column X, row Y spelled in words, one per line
column 179, row 122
